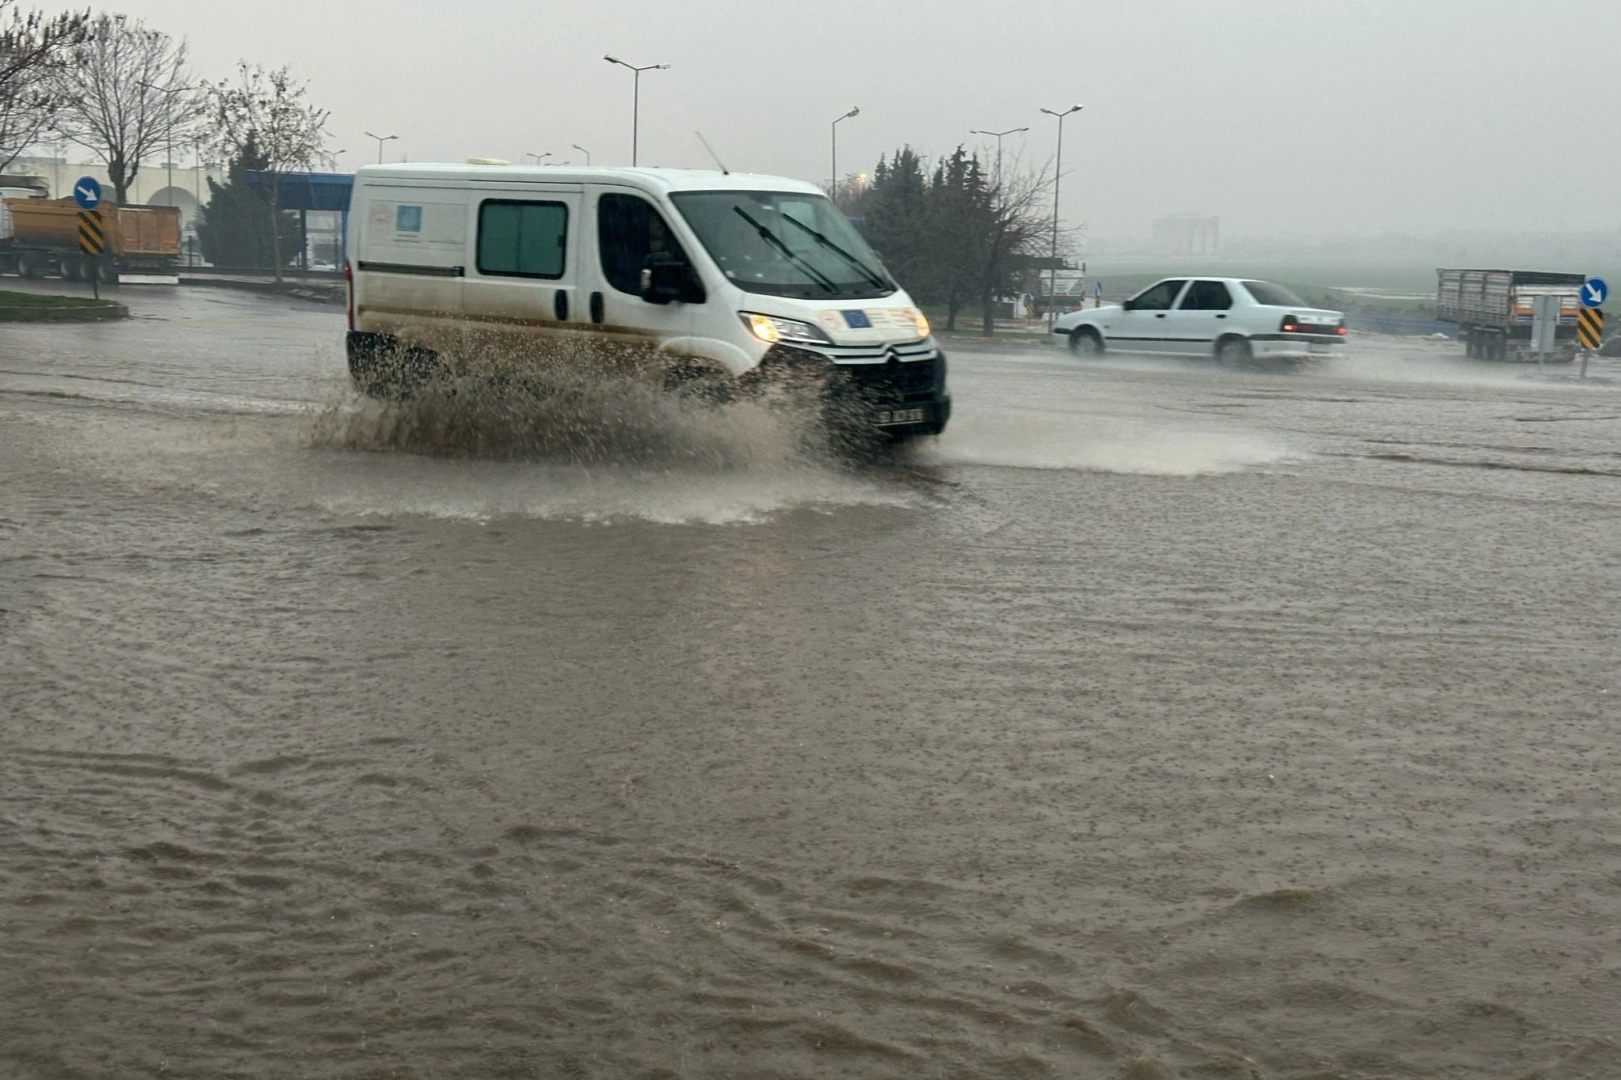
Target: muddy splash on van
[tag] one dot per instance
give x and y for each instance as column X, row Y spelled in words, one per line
column 574, row 403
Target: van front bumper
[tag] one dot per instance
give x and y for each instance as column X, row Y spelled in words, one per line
column 901, row 391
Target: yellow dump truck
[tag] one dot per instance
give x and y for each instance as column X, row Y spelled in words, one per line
column 41, row 236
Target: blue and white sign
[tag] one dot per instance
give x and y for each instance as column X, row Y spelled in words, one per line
column 1097, row 291
column 1594, row 293
column 87, row 192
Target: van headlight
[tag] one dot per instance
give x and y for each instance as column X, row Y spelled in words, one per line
column 773, row 328
column 921, row 320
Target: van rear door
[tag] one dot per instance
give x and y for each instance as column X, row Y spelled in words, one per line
column 523, row 277
column 411, row 257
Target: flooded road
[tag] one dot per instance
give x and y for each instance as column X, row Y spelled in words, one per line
column 1158, row 721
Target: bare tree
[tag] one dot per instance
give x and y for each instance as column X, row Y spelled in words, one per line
column 1011, row 229
column 34, row 51
column 126, row 96
column 265, row 111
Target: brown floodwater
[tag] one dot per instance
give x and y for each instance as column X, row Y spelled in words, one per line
column 1156, row 721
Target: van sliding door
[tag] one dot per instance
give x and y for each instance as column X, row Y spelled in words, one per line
column 523, row 280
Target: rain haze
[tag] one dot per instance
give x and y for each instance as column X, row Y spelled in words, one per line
column 1318, row 117
column 468, row 616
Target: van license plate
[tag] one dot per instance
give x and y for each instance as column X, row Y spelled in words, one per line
column 899, row 416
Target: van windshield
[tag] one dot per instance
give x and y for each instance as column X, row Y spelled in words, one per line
column 785, row 244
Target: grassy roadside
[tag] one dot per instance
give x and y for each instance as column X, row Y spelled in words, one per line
column 44, row 300
column 44, row 307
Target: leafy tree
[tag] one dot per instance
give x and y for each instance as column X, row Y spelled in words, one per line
column 266, row 110
column 235, row 227
column 126, row 96
column 34, row 51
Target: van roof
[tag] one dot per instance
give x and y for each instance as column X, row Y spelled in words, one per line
column 659, row 180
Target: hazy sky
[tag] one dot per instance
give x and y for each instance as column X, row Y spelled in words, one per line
column 1318, row 116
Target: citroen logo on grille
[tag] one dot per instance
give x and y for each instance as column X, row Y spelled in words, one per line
column 891, row 356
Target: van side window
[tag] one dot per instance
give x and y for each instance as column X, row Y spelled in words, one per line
column 629, row 229
column 522, row 239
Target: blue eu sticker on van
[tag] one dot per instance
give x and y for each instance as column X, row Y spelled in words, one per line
column 408, row 219
column 857, row 320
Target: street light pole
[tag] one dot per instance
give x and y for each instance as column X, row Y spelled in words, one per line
column 997, row 135
column 538, row 157
column 168, row 93
column 636, row 105
column 1058, row 174
column 833, row 188
column 381, row 139
column 586, row 152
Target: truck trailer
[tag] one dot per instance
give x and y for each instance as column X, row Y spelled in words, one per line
column 1496, row 310
column 41, row 236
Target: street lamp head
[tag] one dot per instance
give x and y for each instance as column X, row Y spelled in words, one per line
column 614, row 60
column 853, row 112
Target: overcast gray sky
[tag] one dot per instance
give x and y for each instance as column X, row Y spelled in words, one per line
column 1318, row 116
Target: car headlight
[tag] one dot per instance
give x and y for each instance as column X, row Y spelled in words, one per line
column 921, row 320
column 773, row 328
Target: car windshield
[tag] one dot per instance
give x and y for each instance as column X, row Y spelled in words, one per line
column 785, row 244
column 1272, row 295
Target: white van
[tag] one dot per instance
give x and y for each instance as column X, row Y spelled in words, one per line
column 732, row 274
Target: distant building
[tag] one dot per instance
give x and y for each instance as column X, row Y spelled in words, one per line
column 1187, row 234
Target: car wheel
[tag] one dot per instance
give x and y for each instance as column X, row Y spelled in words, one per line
column 1233, row 352
column 1085, row 342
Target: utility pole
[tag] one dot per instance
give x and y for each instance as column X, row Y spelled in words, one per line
column 586, row 152
column 1058, row 173
column 636, row 106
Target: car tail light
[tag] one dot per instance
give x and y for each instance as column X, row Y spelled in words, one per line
column 1291, row 325
column 1342, row 329
column 349, row 284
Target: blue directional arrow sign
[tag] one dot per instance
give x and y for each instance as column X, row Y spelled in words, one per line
column 1098, row 290
column 87, row 192
column 1594, row 293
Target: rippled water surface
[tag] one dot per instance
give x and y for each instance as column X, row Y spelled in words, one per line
column 1156, row 721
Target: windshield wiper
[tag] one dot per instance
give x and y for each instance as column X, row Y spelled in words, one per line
column 799, row 260
column 860, row 267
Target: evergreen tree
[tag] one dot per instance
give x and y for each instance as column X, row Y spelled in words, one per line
column 892, row 211
column 957, row 236
column 234, row 228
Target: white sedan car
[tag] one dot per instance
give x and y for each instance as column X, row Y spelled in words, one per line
column 1229, row 319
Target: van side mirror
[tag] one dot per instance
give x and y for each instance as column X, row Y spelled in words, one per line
column 668, row 278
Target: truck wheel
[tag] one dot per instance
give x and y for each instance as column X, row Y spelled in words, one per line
column 107, row 270
column 72, row 268
column 28, row 265
column 1084, row 342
